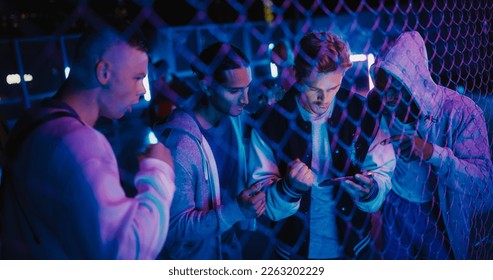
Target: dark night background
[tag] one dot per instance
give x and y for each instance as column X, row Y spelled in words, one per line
column 23, row 18
column 458, row 37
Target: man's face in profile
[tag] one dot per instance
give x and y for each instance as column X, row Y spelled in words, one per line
column 126, row 69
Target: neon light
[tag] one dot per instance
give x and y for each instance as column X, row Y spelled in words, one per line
column 13, row 79
column 151, row 138
column 357, row 57
column 273, row 70
column 371, row 60
column 147, row 95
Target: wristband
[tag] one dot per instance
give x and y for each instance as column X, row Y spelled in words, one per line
column 286, row 192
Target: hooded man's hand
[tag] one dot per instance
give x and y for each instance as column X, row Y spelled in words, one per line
column 412, row 147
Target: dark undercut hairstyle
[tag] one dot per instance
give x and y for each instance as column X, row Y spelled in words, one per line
column 94, row 43
column 215, row 59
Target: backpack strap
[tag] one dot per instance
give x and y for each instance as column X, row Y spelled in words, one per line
column 14, row 144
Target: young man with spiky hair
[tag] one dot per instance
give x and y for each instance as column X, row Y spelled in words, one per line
column 62, row 197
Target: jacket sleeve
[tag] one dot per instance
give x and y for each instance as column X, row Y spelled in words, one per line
column 265, row 173
column 155, row 187
column 105, row 223
column 381, row 161
column 465, row 161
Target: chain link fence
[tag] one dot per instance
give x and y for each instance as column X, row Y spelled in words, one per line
column 458, row 37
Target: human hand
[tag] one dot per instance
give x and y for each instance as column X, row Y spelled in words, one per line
column 411, row 147
column 300, row 177
column 360, row 186
column 252, row 202
column 158, row 151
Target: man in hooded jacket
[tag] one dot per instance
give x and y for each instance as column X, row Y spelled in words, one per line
column 212, row 201
column 441, row 186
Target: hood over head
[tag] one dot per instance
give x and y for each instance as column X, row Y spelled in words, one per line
column 407, row 61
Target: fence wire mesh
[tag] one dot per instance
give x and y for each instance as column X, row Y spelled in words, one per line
column 35, row 50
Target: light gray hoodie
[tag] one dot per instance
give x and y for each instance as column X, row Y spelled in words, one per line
column 197, row 216
column 461, row 164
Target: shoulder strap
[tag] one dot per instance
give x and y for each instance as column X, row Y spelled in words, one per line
column 14, row 143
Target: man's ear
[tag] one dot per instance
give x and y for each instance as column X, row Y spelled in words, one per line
column 102, row 71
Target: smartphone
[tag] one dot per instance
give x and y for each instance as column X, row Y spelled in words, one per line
column 334, row 181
